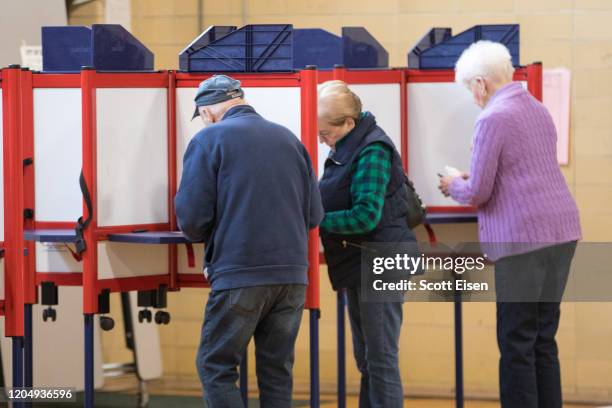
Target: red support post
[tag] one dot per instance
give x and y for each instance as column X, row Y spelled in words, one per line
column 90, row 256
column 308, row 83
column 14, row 262
column 534, row 80
column 27, row 135
column 404, row 119
column 172, row 179
column 339, row 72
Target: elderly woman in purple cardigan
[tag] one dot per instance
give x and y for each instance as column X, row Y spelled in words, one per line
column 527, row 222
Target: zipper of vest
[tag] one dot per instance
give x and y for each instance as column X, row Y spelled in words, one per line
column 346, row 243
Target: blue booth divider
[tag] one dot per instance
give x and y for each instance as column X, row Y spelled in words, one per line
column 357, row 48
column 361, row 50
column 252, row 48
column 439, row 50
column 275, row 48
column 212, row 34
column 315, row 46
column 105, row 47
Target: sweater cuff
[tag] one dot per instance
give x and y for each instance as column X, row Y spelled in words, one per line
column 459, row 190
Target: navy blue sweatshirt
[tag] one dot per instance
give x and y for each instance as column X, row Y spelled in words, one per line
column 248, row 191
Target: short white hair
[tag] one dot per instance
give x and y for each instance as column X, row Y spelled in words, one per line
column 218, row 109
column 488, row 59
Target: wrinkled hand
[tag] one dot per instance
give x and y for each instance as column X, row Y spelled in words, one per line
column 445, row 185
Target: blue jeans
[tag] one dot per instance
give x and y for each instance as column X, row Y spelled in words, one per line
column 376, row 330
column 270, row 314
column 529, row 370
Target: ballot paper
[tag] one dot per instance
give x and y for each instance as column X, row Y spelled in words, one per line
column 452, row 172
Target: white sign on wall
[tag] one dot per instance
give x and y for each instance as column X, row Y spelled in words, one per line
column 31, row 56
column 556, row 97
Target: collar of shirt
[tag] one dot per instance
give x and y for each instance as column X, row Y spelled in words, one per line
column 238, row 110
column 506, row 91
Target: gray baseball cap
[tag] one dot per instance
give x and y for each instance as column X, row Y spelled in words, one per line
column 216, row 89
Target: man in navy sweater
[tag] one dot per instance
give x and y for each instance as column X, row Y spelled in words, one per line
column 248, row 191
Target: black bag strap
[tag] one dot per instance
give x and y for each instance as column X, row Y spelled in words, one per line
column 417, row 211
column 82, row 224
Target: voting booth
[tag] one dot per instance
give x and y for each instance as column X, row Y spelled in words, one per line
column 441, row 116
column 91, row 162
column 289, row 99
column 431, row 119
column 380, row 93
column 98, row 161
column 3, row 365
column 14, row 308
column 2, row 295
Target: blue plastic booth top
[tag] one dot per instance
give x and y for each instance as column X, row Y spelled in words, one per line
column 438, row 49
column 252, row 48
column 211, row 34
column 361, row 50
column 357, row 48
column 315, row 46
column 280, row 47
column 106, row 47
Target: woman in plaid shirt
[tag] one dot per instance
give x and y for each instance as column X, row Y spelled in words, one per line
column 364, row 196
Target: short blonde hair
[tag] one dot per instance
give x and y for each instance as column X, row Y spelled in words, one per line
column 338, row 103
column 488, row 59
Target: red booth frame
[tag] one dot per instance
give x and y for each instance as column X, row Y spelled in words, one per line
column 21, row 278
column 532, row 74
column 88, row 81
column 18, row 88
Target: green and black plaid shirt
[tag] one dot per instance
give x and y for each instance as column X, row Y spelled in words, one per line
column 371, row 173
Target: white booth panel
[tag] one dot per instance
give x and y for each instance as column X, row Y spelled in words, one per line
column 383, row 101
column 57, row 154
column 441, row 119
column 53, row 341
column 55, row 257
column 132, row 156
column 1, row 171
column 185, row 127
column 183, row 265
column 120, row 260
column 280, row 105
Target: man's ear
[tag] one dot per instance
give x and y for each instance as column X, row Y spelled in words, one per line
column 206, row 114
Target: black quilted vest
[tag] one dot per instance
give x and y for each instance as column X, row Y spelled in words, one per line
column 344, row 260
